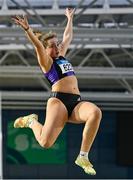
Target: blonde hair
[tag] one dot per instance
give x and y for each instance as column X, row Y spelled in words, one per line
column 46, row 36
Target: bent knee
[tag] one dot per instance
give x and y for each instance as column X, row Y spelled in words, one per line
column 45, row 143
column 97, row 113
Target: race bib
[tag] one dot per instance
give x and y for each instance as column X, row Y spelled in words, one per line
column 66, row 67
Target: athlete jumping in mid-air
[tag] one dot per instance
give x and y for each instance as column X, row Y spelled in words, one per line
column 64, row 104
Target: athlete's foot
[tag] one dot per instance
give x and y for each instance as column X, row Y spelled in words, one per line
column 25, row 121
column 86, row 165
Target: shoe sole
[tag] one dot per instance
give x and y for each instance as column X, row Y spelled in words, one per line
column 83, row 167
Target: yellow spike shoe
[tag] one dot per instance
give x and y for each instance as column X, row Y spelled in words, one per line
column 25, row 121
column 86, row 165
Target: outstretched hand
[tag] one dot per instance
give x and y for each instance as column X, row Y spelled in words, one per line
column 22, row 22
column 69, row 12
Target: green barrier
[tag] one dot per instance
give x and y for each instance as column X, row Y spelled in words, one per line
column 22, row 148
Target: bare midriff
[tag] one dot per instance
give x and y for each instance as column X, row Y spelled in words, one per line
column 67, row 85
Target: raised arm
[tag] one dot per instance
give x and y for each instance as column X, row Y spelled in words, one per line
column 43, row 59
column 68, row 32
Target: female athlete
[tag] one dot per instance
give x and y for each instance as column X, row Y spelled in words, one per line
column 64, row 104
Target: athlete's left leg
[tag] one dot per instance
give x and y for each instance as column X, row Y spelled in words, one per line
column 90, row 114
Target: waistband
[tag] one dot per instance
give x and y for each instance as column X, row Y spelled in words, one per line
column 57, row 94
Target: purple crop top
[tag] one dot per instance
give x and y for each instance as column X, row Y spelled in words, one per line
column 59, row 69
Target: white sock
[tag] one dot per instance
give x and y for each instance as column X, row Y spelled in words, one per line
column 83, row 154
column 31, row 122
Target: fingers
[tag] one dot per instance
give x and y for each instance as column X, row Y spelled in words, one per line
column 25, row 17
column 20, row 18
column 70, row 11
column 21, row 21
column 73, row 11
column 15, row 19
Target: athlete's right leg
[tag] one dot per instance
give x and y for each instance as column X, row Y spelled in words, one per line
column 56, row 117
